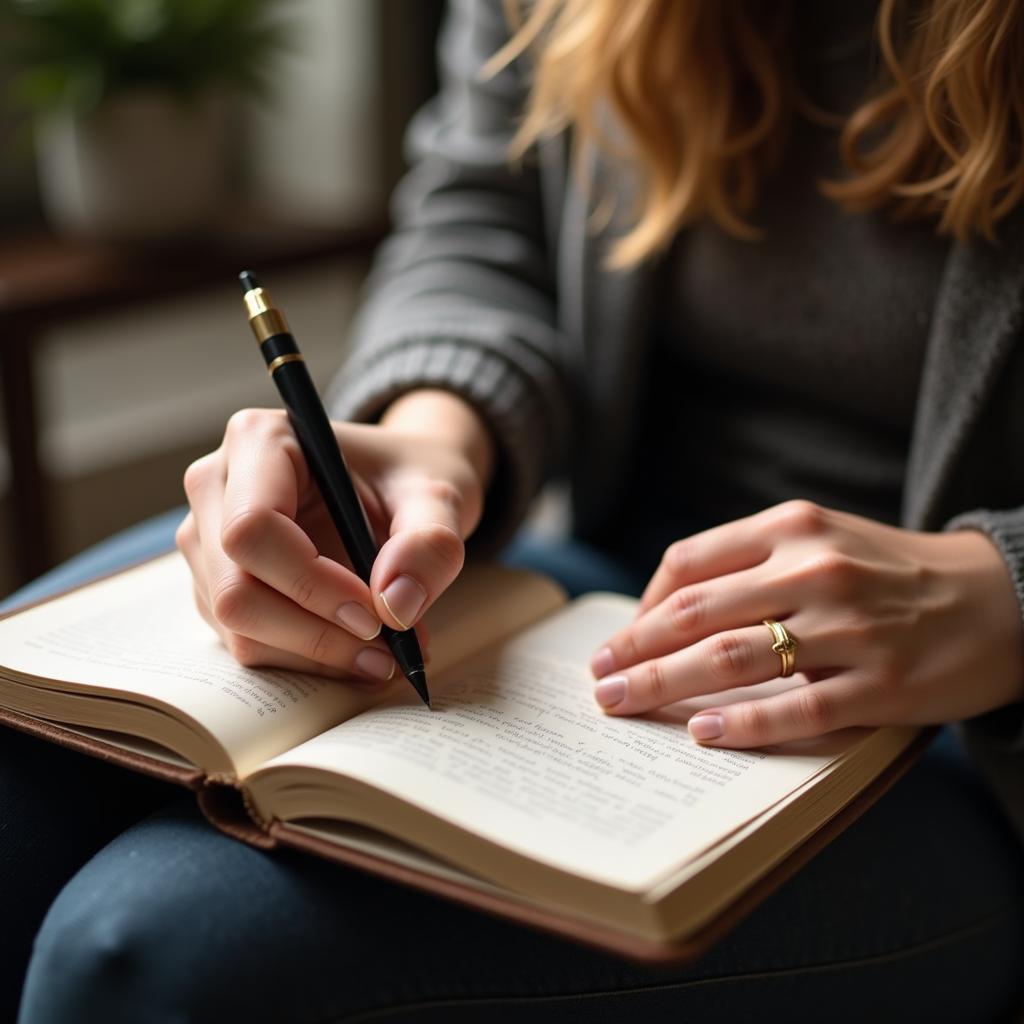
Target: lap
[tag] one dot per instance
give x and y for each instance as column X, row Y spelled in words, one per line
column 57, row 807
column 914, row 912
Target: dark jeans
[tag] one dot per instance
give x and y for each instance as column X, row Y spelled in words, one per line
column 915, row 913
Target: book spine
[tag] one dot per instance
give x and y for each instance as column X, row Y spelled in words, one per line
column 226, row 805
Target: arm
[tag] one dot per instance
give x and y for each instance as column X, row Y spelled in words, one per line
column 461, row 297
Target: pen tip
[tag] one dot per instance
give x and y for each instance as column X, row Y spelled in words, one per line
column 249, row 281
column 418, row 678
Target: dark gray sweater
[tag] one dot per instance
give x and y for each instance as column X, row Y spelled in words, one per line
column 493, row 286
column 750, row 337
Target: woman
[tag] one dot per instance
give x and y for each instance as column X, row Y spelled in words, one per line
column 751, row 276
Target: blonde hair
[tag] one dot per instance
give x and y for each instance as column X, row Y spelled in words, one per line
column 704, row 92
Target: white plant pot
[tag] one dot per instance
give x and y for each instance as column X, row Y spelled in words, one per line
column 142, row 167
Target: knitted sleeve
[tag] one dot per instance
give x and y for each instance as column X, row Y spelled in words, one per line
column 461, row 295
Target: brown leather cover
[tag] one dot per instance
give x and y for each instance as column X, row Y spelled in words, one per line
column 192, row 778
column 686, row 950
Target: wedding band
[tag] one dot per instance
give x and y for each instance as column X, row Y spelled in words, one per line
column 784, row 646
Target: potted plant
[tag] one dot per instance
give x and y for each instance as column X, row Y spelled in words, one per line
column 129, row 101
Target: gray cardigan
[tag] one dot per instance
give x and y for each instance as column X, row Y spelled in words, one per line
column 493, row 285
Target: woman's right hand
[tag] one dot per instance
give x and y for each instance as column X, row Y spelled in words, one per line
column 270, row 573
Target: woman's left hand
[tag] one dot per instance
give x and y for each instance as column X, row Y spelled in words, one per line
column 892, row 626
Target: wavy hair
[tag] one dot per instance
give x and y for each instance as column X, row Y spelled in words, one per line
column 704, row 94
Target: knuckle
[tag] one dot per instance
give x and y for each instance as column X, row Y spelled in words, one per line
column 852, row 632
column 198, row 473
column 626, row 650
column 677, row 558
column 891, row 666
column 728, row 657
column 884, row 697
column 833, row 574
column 866, row 634
column 185, row 534
column 303, row 588
column 246, row 421
column 243, row 650
column 231, row 603
column 656, row 683
column 687, row 609
column 799, row 517
column 444, row 492
column 753, row 722
column 322, row 646
column 444, row 544
column 243, row 532
column 812, row 710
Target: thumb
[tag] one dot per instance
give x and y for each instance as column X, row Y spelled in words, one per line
column 422, row 556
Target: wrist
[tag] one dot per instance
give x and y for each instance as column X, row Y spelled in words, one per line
column 443, row 416
column 989, row 592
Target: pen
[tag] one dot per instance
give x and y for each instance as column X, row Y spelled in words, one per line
column 287, row 369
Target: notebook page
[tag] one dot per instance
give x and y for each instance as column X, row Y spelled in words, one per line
column 518, row 752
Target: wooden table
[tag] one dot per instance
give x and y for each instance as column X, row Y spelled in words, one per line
column 45, row 281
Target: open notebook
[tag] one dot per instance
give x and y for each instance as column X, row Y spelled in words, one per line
column 514, row 794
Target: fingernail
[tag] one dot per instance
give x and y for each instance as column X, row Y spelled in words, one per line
column 707, row 727
column 602, row 663
column 610, row 691
column 375, row 663
column 358, row 620
column 404, row 598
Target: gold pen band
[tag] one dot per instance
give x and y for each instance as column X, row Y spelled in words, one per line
column 265, row 319
column 288, row 357
column 266, row 324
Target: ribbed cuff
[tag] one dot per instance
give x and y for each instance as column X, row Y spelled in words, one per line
column 503, row 395
column 996, row 739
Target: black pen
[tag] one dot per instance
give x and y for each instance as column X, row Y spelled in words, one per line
column 313, row 429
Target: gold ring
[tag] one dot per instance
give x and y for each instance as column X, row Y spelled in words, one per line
column 784, row 646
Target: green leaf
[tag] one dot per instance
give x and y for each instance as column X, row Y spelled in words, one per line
column 78, row 51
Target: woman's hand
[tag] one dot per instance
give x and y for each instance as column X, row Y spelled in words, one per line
column 892, row 626
column 270, row 573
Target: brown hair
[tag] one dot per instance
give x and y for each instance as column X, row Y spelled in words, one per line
column 704, row 92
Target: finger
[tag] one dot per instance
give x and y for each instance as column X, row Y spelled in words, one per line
column 186, row 538
column 203, row 607
column 276, row 551
column 739, row 657
column 695, row 612
column 801, row 713
column 719, row 551
column 734, row 546
column 247, row 607
column 422, row 556
column 253, row 654
column 260, row 535
column 244, row 605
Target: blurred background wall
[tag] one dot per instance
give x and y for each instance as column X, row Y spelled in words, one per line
column 121, row 409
